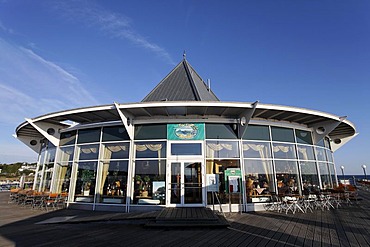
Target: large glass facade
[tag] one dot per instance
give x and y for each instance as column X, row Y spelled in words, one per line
column 102, row 165
column 150, row 171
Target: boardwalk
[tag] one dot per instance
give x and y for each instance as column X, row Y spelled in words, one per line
column 346, row 226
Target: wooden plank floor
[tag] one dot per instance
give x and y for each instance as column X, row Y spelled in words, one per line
column 346, row 226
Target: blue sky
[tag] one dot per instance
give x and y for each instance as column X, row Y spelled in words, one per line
column 57, row 55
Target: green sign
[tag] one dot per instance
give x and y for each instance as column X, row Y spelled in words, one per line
column 233, row 180
column 185, row 131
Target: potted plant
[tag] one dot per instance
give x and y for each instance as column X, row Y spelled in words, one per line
column 146, row 184
column 86, row 181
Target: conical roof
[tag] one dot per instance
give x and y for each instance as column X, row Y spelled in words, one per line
column 182, row 84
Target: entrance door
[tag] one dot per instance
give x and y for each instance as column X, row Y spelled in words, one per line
column 185, row 184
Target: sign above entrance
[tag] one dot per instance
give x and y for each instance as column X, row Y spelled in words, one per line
column 186, row 131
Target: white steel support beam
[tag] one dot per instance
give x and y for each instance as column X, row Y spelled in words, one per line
column 31, row 142
column 245, row 117
column 322, row 129
column 49, row 131
column 338, row 143
column 126, row 120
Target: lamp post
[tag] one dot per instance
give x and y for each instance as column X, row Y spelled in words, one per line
column 344, row 181
column 364, row 168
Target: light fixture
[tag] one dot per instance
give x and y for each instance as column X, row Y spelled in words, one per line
column 364, row 168
column 320, row 130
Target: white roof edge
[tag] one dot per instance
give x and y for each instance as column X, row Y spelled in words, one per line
column 190, row 103
column 304, row 110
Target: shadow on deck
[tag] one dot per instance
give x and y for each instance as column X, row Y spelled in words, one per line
column 189, row 217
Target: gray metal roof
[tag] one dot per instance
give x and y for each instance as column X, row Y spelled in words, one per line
column 182, row 84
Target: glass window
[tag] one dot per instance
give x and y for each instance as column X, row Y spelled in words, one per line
column 150, row 182
column 156, row 131
column 67, row 138
column 287, row 177
column 329, row 155
column 284, row 151
column 259, row 179
column 117, row 150
column 321, row 143
column 50, row 155
column 88, row 152
column 85, row 182
column 113, row 182
column 150, row 149
column 324, row 174
column 327, row 143
column 66, row 154
column 333, row 176
column 303, row 136
column 257, row 132
column 282, row 134
column 320, row 154
column 63, row 177
column 88, row 135
column 260, row 150
column 305, row 152
column 186, row 149
column 221, row 131
column 310, row 177
column 222, row 149
column 219, row 168
column 115, row 133
column 48, row 173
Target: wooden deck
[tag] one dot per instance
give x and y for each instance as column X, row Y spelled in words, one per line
column 347, row 226
column 189, row 218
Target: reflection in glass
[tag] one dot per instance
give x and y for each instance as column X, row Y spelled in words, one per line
column 218, row 167
column 257, row 132
column 259, row 179
column 282, row 134
column 324, row 175
column 222, row 149
column 115, row 133
column 85, row 182
column 287, row 177
column 303, row 136
column 63, row 177
column 117, row 150
column 176, row 183
column 260, row 150
column 113, row 182
column 88, row 152
column 310, row 178
column 192, row 182
column 150, row 149
column 305, row 152
column 329, row 155
column 221, row 131
column 152, row 131
column 149, row 184
column 88, row 135
column 283, row 151
column 320, row 154
column 68, row 138
column 333, row 177
column 66, row 154
column 186, row 149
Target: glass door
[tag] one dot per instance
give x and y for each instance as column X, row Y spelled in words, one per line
column 185, row 183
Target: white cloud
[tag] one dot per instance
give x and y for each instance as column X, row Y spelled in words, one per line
column 5, row 29
column 113, row 24
column 31, row 85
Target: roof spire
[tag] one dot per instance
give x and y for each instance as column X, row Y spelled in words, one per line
column 184, row 55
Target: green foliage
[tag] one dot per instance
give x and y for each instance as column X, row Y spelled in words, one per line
column 11, row 169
